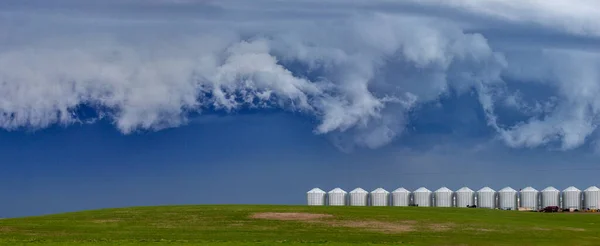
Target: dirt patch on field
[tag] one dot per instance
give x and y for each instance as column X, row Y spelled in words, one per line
column 106, row 221
column 291, row 216
column 371, row 225
column 164, row 225
column 540, row 229
column 574, row 229
column 379, row 226
column 440, row 227
column 481, row 229
column 6, row 229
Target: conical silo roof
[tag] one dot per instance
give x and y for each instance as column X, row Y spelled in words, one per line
column 337, row 190
column 529, row 189
column 316, row 190
column 422, row 189
column 550, row 189
column 486, row 189
column 401, row 190
column 571, row 188
column 380, row 190
column 443, row 189
column 592, row 188
column 507, row 189
column 464, row 189
column 358, row 190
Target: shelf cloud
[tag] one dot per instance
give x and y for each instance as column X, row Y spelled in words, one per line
column 359, row 68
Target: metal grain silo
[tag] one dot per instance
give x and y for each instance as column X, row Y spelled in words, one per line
column 486, row 198
column 529, row 198
column 550, row 197
column 591, row 198
column 443, row 197
column 359, row 197
column 337, row 197
column 464, row 197
column 422, row 197
column 316, row 197
column 507, row 199
column 379, row 197
column 571, row 198
column 400, row 197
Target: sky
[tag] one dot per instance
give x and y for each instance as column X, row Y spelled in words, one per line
column 119, row 103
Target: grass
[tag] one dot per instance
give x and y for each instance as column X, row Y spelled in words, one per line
column 234, row 225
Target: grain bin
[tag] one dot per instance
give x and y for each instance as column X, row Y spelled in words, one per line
column 379, row 197
column 337, row 197
column 529, row 198
column 486, row 198
column 443, row 197
column 400, row 197
column 359, row 197
column 316, row 197
column 465, row 197
column 422, row 197
column 507, row 199
column 550, row 197
column 571, row 198
column 591, row 198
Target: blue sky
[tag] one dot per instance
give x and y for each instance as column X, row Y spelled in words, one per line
column 121, row 103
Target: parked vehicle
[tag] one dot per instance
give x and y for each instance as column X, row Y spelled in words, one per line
column 550, row 209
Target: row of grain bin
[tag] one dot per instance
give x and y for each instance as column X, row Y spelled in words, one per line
column 572, row 198
column 506, row 198
column 357, row 197
column 360, row 197
column 339, row 197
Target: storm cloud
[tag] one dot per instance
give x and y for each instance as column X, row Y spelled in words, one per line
column 359, row 68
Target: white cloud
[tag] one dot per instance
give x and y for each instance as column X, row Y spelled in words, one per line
column 576, row 17
column 150, row 70
column 575, row 78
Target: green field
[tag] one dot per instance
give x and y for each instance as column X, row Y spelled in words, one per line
column 302, row 225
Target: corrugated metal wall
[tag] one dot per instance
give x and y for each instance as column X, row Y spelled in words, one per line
column 422, row 197
column 571, row 198
column 359, row 197
column 464, row 197
column 443, row 197
column 379, row 197
column 591, row 198
column 337, row 197
column 507, row 199
column 486, row 198
column 529, row 198
column 316, row 197
column 400, row 197
column 550, row 197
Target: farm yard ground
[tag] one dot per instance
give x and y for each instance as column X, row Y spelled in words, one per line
column 301, row 225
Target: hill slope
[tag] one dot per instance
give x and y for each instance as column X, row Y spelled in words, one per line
column 301, row 225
